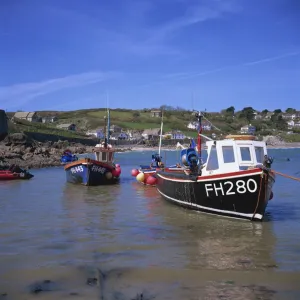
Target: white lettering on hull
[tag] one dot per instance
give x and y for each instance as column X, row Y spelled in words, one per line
column 98, row 169
column 240, row 187
column 77, row 169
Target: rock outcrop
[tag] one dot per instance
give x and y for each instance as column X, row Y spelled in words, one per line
column 26, row 152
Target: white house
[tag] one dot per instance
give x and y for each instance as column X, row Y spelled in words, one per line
column 248, row 129
column 193, row 125
column 28, row 116
column 290, row 124
column 256, row 115
column 291, row 116
column 98, row 133
column 49, row 119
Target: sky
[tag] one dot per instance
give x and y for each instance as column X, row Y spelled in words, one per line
column 195, row 54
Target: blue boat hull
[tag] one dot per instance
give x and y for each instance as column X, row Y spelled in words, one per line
column 89, row 174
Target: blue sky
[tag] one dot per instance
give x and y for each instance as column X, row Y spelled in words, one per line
column 65, row 55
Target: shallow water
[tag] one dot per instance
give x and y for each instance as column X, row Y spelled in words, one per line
column 126, row 241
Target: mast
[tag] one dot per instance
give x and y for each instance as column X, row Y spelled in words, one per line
column 199, row 118
column 108, row 125
column 160, row 136
column 108, row 117
column 104, row 131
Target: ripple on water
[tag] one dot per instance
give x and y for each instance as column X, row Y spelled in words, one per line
column 143, row 244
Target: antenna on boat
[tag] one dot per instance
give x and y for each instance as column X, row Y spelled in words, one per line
column 108, row 118
column 161, row 128
column 198, row 115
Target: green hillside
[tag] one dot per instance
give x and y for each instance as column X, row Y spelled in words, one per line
column 127, row 119
column 227, row 121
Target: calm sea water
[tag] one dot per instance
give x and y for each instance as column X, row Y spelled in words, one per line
column 55, row 238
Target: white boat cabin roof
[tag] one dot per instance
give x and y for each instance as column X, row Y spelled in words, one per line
column 104, row 154
column 233, row 155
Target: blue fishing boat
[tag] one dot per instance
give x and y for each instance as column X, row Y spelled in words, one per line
column 68, row 157
column 99, row 170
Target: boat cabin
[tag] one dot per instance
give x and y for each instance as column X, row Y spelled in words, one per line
column 104, row 154
column 233, row 155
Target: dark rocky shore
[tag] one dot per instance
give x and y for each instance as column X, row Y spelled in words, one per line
column 21, row 149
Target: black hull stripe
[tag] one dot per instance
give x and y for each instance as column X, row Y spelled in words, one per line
column 213, row 210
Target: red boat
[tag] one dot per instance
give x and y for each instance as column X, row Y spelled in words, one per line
column 14, row 172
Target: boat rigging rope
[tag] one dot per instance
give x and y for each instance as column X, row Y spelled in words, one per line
column 211, row 123
column 286, row 176
column 258, row 198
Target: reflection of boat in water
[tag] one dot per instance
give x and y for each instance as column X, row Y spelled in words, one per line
column 144, row 191
column 214, row 243
column 92, row 205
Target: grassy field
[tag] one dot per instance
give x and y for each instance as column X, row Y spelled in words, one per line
column 127, row 119
column 25, row 126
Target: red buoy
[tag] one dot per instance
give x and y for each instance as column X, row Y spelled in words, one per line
column 151, row 180
column 116, row 172
column 134, row 172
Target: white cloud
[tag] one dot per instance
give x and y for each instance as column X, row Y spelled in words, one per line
column 23, row 93
column 194, row 14
column 185, row 75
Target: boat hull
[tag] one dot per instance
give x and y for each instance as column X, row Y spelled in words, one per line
column 243, row 194
column 90, row 172
column 8, row 175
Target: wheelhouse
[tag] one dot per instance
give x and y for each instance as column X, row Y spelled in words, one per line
column 104, row 154
column 231, row 155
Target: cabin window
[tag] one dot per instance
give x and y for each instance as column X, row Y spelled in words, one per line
column 97, row 155
column 228, row 154
column 103, row 156
column 110, row 155
column 245, row 153
column 212, row 163
column 259, row 152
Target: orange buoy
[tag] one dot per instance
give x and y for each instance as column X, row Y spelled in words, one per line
column 140, row 177
column 134, row 172
column 151, row 180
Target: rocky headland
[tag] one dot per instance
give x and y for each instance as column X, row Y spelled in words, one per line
column 25, row 151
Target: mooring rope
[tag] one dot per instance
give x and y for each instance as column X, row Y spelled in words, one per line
column 258, row 198
column 285, row 175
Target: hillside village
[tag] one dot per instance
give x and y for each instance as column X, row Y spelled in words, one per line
column 145, row 124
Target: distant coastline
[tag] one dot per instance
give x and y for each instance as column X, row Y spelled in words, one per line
column 29, row 153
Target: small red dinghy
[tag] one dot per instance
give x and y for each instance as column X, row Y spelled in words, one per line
column 14, row 172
